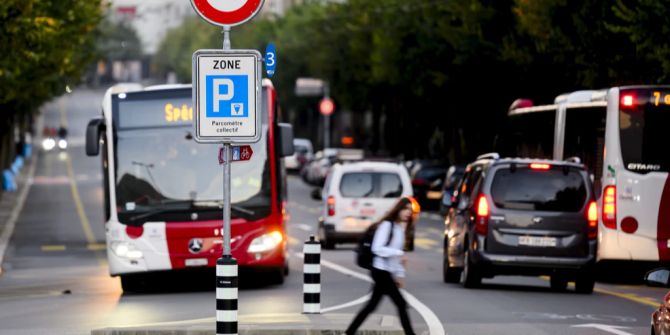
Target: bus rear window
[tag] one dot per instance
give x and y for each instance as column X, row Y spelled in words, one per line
column 548, row 190
column 642, row 129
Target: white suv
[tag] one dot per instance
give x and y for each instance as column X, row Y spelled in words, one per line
column 356, row 195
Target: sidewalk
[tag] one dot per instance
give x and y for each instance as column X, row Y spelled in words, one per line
column 11, row 204
column 268, row 324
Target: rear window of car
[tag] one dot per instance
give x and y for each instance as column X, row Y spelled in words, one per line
column 371, row 185
column 555, row 190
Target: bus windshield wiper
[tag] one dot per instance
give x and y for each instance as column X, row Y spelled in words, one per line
column 239, row 210
column 191, row 205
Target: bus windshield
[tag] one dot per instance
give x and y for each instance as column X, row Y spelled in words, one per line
column 643, row 127
column 162, row 174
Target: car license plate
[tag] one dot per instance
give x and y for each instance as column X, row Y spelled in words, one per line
column 434, row 195
column 368, row 212
column 196, row 262
column 537, row 241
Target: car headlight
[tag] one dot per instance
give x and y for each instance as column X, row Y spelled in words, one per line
column 265, row 242
column 126, row 250
column 48, row 144
column 62, row 144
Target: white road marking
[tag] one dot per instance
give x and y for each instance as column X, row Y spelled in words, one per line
column 607, row 328
column 14, row 216
column 348, row 304
column 303, row 226
column 434, row 325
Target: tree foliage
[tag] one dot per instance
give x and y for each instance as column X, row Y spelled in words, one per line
column 46, row 45
column 445, row 71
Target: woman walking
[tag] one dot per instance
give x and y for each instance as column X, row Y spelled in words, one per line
column 388, row 265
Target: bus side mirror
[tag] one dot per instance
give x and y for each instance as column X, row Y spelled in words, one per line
column 93, row 136
column 285, row 133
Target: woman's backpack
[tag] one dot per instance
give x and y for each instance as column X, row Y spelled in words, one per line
column 364, row 254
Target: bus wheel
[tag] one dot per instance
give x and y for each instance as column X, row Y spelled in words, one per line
column 131, row 283
column 278, row 276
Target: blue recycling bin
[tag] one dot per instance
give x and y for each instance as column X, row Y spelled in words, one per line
column 8, row 182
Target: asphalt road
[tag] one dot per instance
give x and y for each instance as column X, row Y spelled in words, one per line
column 55, row 277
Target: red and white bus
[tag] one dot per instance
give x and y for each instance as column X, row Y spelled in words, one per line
column 163, row 191
column 620, row 135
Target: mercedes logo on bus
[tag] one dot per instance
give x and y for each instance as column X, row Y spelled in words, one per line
column 195, row 245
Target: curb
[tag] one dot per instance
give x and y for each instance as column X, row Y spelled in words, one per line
column 267, row 324
column 241, row 331
column 8, row 229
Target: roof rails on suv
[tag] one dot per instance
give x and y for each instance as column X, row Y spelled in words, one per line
column 574, row 159
column 490, row 155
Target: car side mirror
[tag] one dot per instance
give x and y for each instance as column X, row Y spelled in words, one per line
column 93, row 136
column 316, row 194
column 285, row 132
column 658, row 278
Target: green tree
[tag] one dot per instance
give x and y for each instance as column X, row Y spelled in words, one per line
column 46, row 44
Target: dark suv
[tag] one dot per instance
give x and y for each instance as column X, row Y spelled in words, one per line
column 522, row 217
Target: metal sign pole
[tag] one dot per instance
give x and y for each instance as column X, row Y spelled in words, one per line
column 228, row 160
column 226, row 266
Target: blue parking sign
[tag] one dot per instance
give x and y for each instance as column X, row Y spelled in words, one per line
column 227, row 96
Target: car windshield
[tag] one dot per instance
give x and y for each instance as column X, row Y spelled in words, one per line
column 539, row 190
column 164, row 171
column 370, row 185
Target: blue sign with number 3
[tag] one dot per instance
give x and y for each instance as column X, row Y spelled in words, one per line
column 270, row 59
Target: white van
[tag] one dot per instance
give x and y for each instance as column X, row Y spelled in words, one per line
column 356, row 195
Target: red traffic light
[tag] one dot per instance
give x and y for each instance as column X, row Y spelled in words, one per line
column 326, row 106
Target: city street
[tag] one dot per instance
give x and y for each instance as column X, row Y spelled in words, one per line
column 55, row 277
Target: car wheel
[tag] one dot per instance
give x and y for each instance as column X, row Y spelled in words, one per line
column 558, row 283
column 585, row 282
column 326, row 240
column 449, row 274
column 470, row 277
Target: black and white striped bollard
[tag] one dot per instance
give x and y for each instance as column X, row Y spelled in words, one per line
column 226, row 296
column 311, row 288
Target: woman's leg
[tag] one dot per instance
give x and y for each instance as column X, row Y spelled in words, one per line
column 377, row 293
column 401, row 304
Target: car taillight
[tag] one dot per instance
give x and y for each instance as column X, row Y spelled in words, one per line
column 482, row 219
column 609, row 207
column 331, row 205
column 592, row 216
column 540, row 166
column 418, row 182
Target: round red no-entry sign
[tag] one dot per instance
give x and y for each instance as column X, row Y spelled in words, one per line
column 227, row 12
column 326, row 106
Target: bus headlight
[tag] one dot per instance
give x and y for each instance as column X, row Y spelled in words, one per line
column 266, row 242
column 126, row 250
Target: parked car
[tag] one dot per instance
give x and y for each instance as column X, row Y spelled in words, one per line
column 356, row 195
column 316, row 171
column 452, row 178
column 660, row 319
column 303, row 154
column 427, row 181
column 522, row 217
